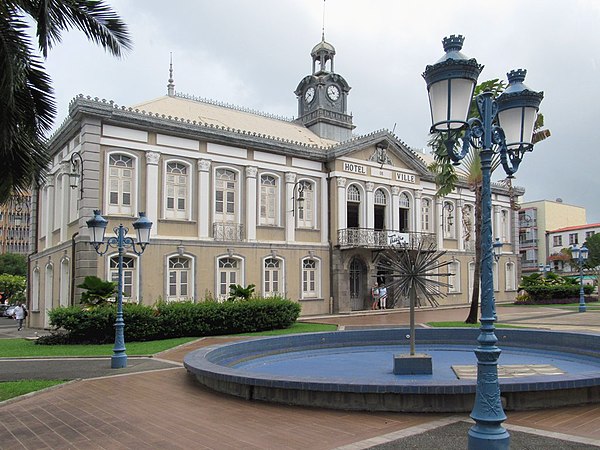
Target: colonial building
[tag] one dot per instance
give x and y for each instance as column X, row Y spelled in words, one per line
column 297, row 207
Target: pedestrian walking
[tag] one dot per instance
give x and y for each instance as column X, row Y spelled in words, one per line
column 19, row 314
column 382, row 296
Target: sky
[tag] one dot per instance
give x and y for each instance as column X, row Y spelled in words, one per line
column 254, row 53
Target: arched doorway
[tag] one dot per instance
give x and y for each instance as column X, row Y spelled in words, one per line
column 357, row 284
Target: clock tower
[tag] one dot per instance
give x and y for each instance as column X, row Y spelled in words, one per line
column 322, row 97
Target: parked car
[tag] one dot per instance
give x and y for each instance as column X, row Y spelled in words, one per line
column 9, row 311
column 3, row 309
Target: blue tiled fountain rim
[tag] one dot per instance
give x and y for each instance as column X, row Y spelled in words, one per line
column 217, row 361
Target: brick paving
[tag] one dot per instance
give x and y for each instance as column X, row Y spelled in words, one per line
column 166, row 409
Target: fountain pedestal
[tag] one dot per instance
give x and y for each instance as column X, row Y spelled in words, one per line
column 417, row 364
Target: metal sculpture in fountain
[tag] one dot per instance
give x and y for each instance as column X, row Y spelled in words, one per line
column 415, row 274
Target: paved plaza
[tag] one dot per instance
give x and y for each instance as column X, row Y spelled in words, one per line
column 155, row 404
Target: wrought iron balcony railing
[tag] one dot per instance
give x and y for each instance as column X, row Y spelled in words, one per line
column 382, row 239
column 228, row 231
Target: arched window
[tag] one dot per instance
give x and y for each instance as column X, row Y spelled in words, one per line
column 129, row 276
column 404, row 212
column 379, row 209
column 48, row 292
column 180, row 278
column 229, row 272
column 121, row 184
column 353, row 207
column 177, row 182
column 269, row 200
column 272, row 277
column 454, row 278
column 65, row 283
column 310, row 278
column 426, row 225
column 226, row 187
column 306, row 210
column 35, row 290
column 511, row 278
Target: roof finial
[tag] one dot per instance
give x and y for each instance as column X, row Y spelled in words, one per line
column 323, row 29
column 171, row 86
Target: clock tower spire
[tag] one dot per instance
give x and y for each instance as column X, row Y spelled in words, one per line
column 322, row 97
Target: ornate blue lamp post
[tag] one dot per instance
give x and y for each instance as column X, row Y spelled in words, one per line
column 580, row 255
column 504, row 127
column 97, row 226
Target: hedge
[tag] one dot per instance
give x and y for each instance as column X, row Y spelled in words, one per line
column 556, row 291
column 170, row 320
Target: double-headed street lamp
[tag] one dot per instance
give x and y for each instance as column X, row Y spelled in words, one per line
column 580, row 255
column 97, row 226
column 504, row 127
column 545, row 268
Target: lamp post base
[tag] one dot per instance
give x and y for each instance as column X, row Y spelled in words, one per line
column 118, row 361
column 488, row 437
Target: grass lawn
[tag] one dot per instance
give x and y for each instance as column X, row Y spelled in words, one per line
column 10, row 389
column 24, row 348
column 298, row 327
column 466, row 325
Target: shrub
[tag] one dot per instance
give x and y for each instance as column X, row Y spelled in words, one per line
column 97, row 291
column 168, row 320
column 558, row 291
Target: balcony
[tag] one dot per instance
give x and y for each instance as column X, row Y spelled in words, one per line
column 382, row 239
column 228, row 231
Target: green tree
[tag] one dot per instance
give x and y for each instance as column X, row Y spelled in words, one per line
column 447, row 178
column 27, row 107
column 13, row 286
column 593, row 245
column 13, row 264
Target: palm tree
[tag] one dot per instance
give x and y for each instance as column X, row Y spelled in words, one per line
column 27, row 108
column 447, row 178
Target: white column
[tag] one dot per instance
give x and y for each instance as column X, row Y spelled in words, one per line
column 290, row 218
column 50, row 210
column 342, row 208
column 418, row 213
column 370, row 223
column 395, row 208
column 251, row 205
column 439, row 223
column 152, row 187
column 203, row 198
column 63, row 206
column 460, row 231
column 324, row 222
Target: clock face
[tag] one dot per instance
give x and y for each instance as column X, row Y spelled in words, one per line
column 309, row 95
column 333, row 92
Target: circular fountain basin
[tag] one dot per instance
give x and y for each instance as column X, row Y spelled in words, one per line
column 353, row 370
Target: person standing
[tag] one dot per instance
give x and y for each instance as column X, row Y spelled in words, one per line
column 19, row 314
column 375, row 296
column 382, row 296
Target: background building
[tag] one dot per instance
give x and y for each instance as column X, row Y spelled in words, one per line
column 560, row 242
column 298, row 207
column 537, row 218
column 15, row 225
